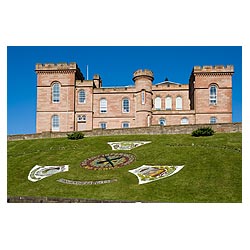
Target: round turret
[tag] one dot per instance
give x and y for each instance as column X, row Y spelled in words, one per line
column 143, row 84
column 143, row 74
column 143, row 79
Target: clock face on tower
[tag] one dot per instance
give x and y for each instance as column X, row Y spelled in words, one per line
column 108, row 161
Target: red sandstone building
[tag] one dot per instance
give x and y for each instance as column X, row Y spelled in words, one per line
column 68, row 102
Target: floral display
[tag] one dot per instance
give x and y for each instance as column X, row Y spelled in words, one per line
column 108, row 161
column 74, row 182
column 127, row 145
column 148, row 173
column 38, row 173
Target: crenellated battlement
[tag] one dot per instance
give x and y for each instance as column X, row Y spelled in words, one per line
column 61, row 67
column 214, row 69
column 56, row 66
column 143, row 73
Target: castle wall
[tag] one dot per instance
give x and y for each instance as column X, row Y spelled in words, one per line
column 45, row 121
column 196, row 107
column 153, row 130
column 115, row 114
column 220, row 77
column 163, row 93
column 173, row 118
column 47, row 75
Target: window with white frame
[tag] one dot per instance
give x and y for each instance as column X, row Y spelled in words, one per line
column 178, row 103
column 162, row 121
column 81, row 118
column 103, row 125
column 158, row 103
column 213, row 95
column 55, row 123
column 168, row 103
column 56, row 92
column 125, row 105
column 81, row 96
column 213, row 120
column 143, row 97
column 184, row 120
column 103, row 105
column 125, row 125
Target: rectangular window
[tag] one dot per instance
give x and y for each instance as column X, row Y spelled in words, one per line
column 125, row 125
column 103, row 125
column 103, row 106
column 143, row 97
column 125, row 105
column 55, row 123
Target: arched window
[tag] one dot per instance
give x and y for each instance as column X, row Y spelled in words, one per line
column 125, row 105
column 213, row 95
column 184, row 120
column 125, row 124
column 162, row 121
column 213, row 120
column 103, row 125
column 168, row 103
column 56, row 92
column 158, row 103
column 55, row 123
column 179, row 103
column 81, row 96
column 103, row 105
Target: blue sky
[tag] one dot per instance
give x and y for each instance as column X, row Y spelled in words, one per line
column 116, row 65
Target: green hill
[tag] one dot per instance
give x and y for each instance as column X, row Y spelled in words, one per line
column 212, row 172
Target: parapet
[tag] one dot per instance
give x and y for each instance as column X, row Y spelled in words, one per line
column 143, row 73
column 48, row 67
column 56, row 66
column 214, row 69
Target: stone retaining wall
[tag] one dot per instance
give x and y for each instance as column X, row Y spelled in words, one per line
column 28, row 199
column 153, row 130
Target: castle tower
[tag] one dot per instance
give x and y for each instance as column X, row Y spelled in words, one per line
column 55, row 96
column 143, row 97
column 210, row 93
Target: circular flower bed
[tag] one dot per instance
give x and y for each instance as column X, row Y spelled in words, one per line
column 108, row 161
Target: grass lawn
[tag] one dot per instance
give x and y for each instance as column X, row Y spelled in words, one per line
column 212, row 171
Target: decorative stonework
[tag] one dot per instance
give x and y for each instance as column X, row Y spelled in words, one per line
column 72, row 182
column 108, row 161
column 148, row 173
column 127, row 145
column 38, row 173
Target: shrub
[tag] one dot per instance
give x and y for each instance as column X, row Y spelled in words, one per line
column 75, row 136
column 206, row 131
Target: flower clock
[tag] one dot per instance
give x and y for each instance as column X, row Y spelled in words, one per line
column 108, row 161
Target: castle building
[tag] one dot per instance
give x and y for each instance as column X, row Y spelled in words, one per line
column 68, row 102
